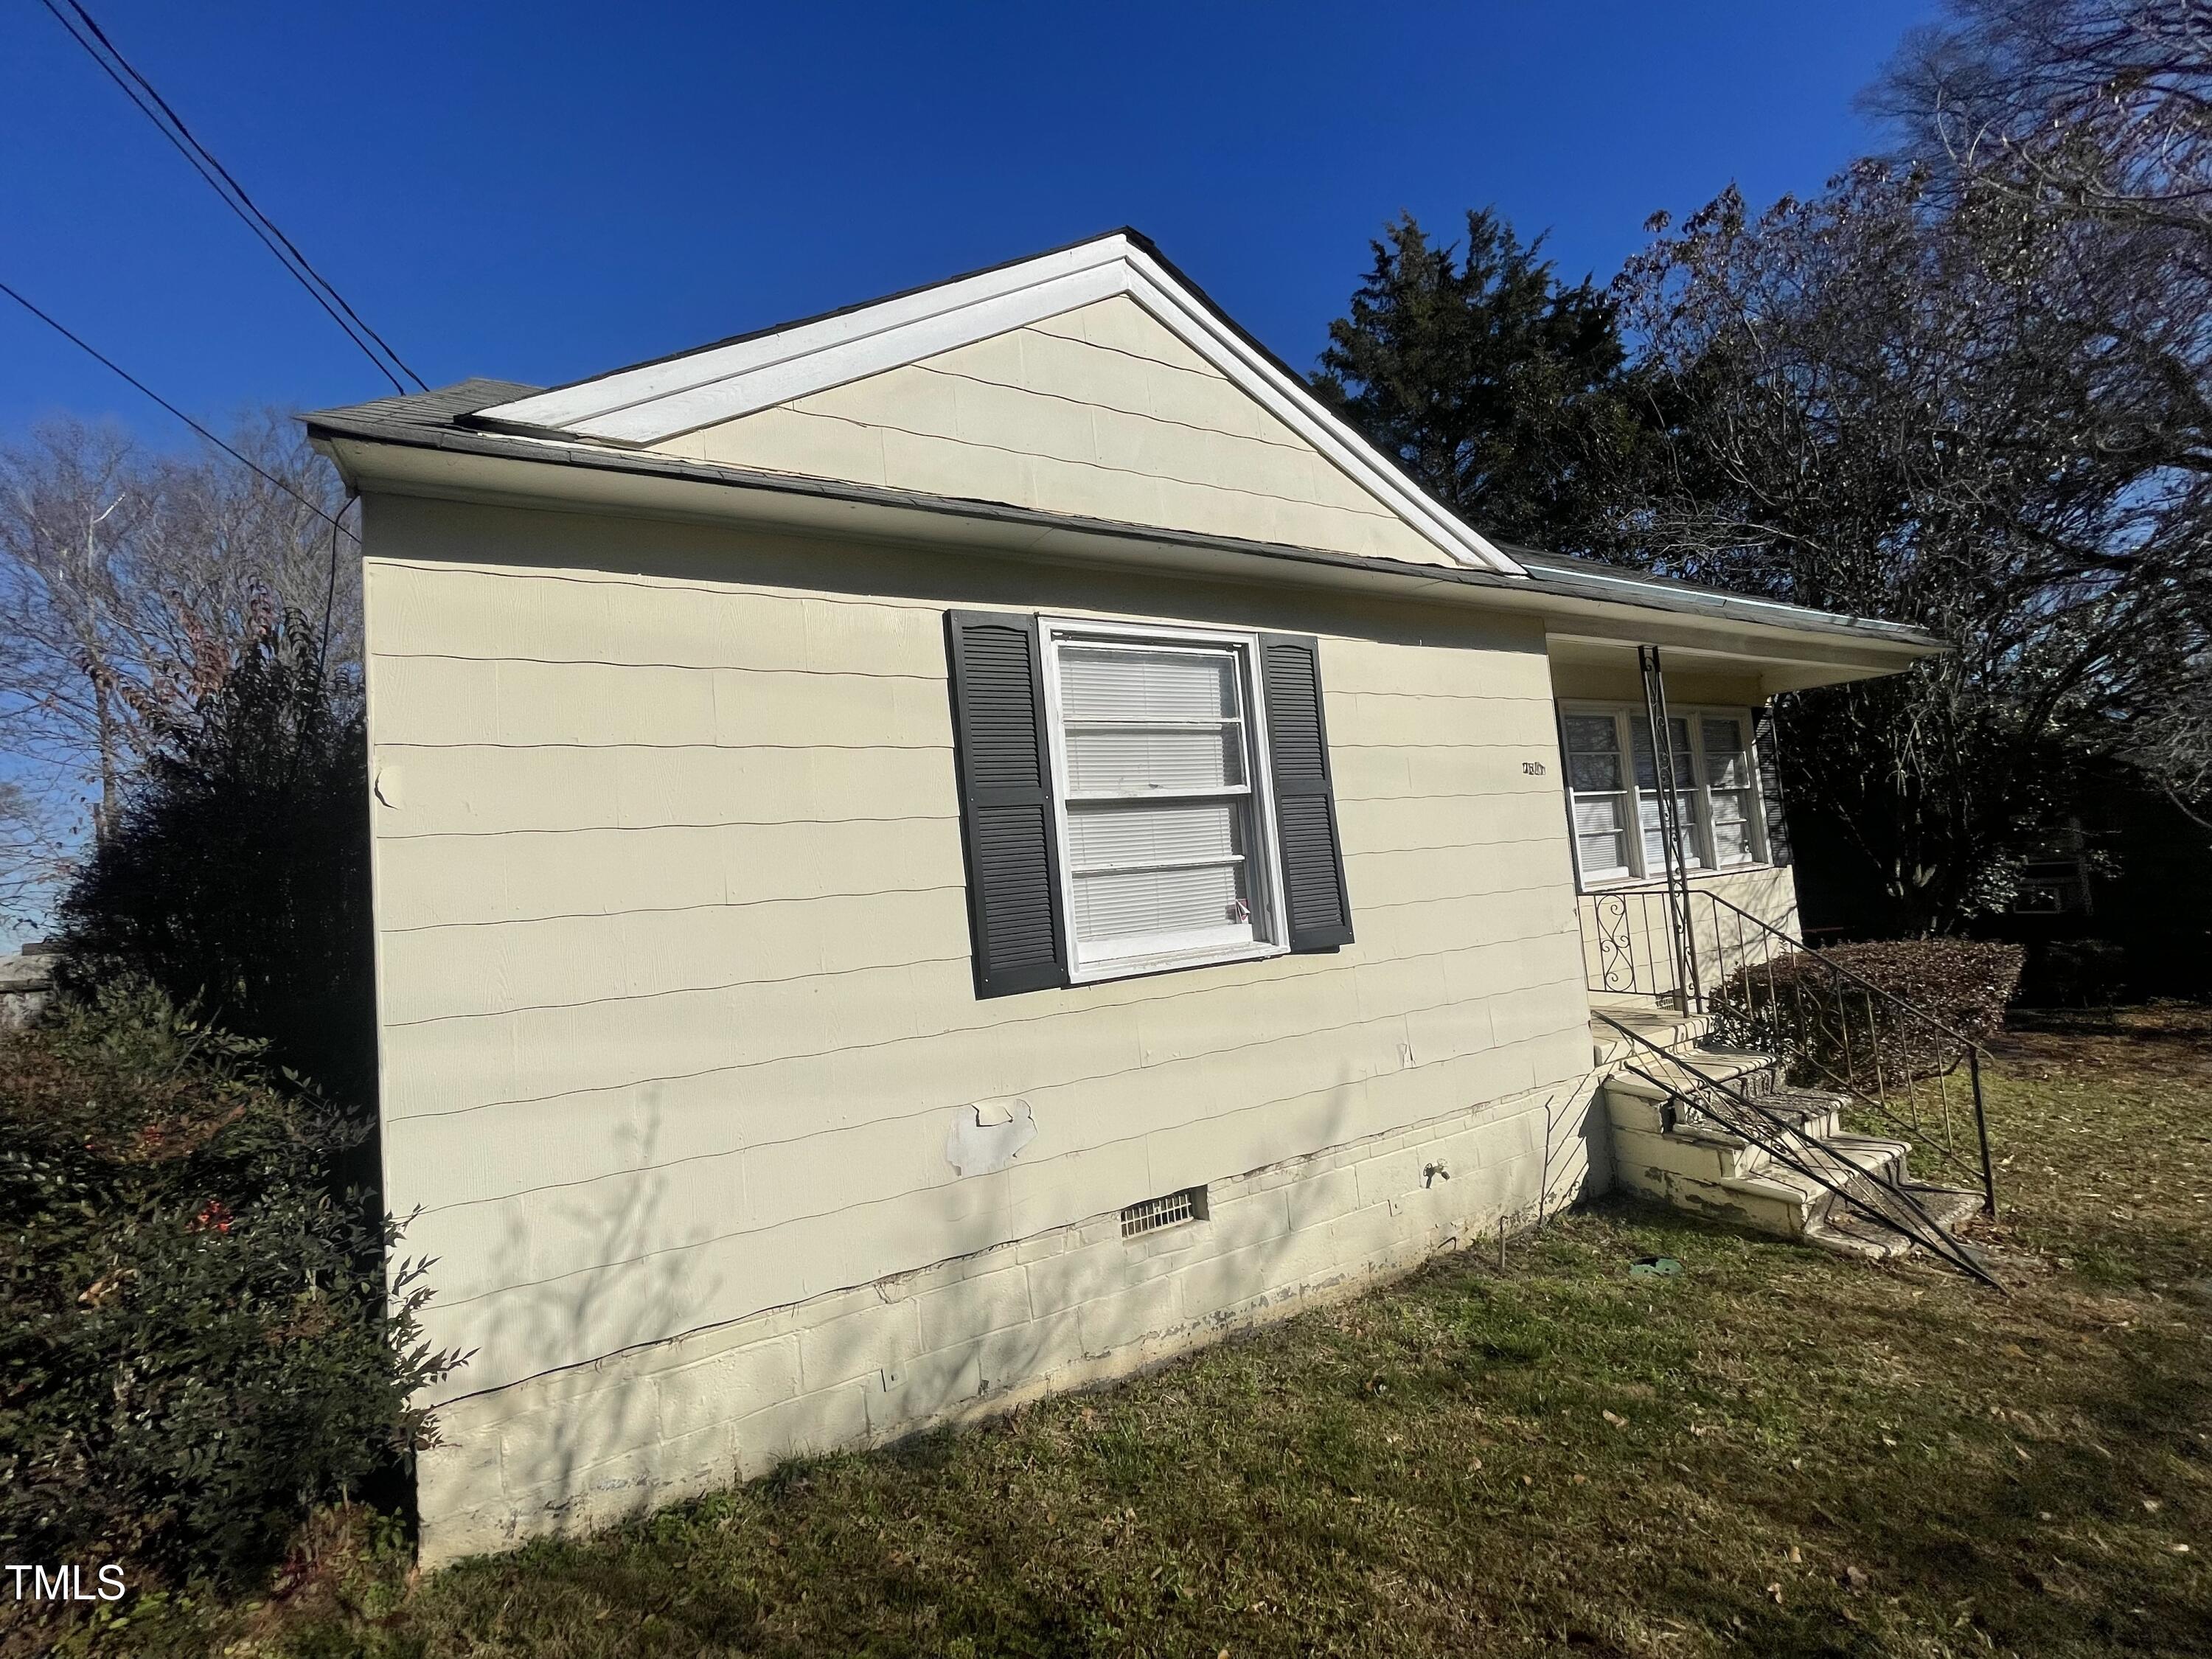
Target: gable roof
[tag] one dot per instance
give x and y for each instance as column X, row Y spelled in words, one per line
column 649, row 403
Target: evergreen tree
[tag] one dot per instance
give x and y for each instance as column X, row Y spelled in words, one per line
column 1498, row 387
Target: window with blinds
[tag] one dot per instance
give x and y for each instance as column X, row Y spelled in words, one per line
column 1728, row 773
column 1613, row 784
column 1162, row 793
column 1650, row 796
column 1600, row 795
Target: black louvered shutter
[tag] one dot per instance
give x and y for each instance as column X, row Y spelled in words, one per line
column 1006, row 802
column 1311, row 854
column 1768, row 757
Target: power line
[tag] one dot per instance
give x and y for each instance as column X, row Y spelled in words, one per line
column 110, row 364
column 155, row 108
column 171, row 126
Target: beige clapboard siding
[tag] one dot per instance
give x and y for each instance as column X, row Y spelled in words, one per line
column 448, row 701
column 1373, row 717
column 679, row 1013
column 445, row 881
column 618, row 1303
column 490, row 791
column 805, row 1178
column 512, row 1245
column 564, row 960
column 1487, row 772
column 541, row 1048
column 520, row 1254
column 1101, row 412
column 1391, row 824
column 850, row 1083
column 667, row 598
column 829, row 1053
column 462, row 881
column 524, row 613
column 572, row 961
column 980, row 1334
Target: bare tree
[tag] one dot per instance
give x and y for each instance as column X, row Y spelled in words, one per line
column 27, row 874
column 2172, row 743
column 2096, row 115
column 128, row 579
column 2098, row 108
column 1961, row 409
column 1970, row 386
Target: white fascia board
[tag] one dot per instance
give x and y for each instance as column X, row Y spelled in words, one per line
column 653, row 404
column 658, row 401
column 1299, row 409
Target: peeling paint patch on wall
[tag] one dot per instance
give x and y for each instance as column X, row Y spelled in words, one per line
column 989, row 1135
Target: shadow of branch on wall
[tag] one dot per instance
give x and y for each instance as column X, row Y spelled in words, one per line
column 588, row 1439
column 597, row 1435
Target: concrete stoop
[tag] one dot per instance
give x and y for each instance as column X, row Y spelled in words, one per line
column 1651, row 1018
column 1667, row 1148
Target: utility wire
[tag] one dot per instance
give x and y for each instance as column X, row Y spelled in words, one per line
column 109, row 363
column 150, row 103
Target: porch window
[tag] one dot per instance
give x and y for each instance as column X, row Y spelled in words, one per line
column 1600, row 796
column 1717, row 802
column 1724, row 752
column 1650, row 797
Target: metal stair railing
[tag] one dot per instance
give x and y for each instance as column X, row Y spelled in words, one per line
column 1879, row 1199
column 1887, row 1054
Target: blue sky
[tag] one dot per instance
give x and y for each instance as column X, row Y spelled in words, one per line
column 539, row 191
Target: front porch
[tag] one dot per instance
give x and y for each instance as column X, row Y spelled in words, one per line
column 1768, row 1137
column 1722, row 1134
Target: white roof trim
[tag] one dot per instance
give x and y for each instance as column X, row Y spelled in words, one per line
column 658, row 401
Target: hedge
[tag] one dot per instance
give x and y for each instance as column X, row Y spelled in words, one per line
column 196, row 1340
column 1841, row 1031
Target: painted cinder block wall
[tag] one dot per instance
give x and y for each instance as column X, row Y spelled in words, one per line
column 676, row 1009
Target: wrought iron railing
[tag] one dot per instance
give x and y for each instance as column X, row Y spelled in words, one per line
column 1892, row 1060
column 1885, row 1200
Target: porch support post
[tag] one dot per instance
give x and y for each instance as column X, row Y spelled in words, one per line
column 1680, row 935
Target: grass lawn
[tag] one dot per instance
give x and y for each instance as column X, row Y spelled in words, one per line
column 1779, row 1452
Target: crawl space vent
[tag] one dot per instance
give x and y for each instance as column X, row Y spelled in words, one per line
column 1154, row 1213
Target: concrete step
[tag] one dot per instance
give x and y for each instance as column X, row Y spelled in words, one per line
column 1850, row 1234
column 1773, row 1199
column 1797, row 1200
column 1693, row 1143
column 1650, row 1020
column 1717, row 1174
column 1679, row 1138
column 1649, row 1102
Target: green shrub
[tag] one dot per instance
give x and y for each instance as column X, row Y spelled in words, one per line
column 1899, row 1009
column 196, row 1341
column 236, row 874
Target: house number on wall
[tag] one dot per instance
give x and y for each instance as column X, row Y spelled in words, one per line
column 1534, row 769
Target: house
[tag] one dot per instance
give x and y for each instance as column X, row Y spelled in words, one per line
column 952, row 849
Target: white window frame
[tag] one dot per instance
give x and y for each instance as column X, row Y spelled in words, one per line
column 1632, row 795
column 1270, row 933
